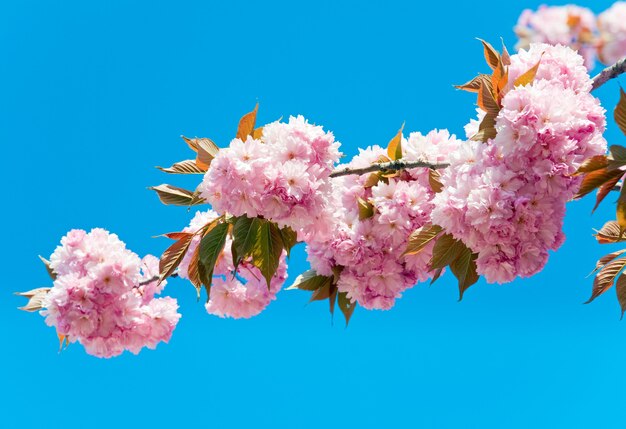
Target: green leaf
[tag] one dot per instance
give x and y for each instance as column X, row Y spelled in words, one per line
column 394, row 148
column 619, row 114
column 173, row 255
column 346, row 306
column 245, row 235
column 310, row 280
column 322, row 293
column 421, row 237
column 183, row 167
column 464, row 269
column 332, row 298
column 211, row 246
column 267, row 250
column 366, row 209
column 446, row 250
column 171, row 195
column 51, row 272
column 290, row 238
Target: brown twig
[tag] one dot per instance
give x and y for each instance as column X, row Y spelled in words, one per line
column 609, row 73
column 391, row 166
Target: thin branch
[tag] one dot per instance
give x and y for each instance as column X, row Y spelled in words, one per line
column 609, row 73
column 153, row 279
column 392, row 165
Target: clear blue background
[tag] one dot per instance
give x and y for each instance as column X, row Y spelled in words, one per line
column 95, row 95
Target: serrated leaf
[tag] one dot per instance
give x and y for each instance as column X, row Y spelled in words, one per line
column 172, row 257
column 183, row 167
column 606, row 259
column 491, row 55
column 487, row 128
column 620, row 290
column 346, row 306
column 394, row 148
column 474, row 84
column 527, row 77
column 372, row 180
column 257, row 133
column 245, row 232
column 434, row 180
column 211, row 247
column 421, row 237
column 172, row 195
column 594, row 163
column 604, row 190
column 619, row 114
column 290, row 238
column 366, row 209
column 446, row 250
column 610, row 233
column 621, row 208
column 267, row 250
column 309, row 280
column 506, row 58
column 606, row 277
column 595, row 179
column 49, row 269
column 464, row 269
column 35, row 299
column 246, row 124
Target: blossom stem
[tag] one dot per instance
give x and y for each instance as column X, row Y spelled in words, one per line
column 392, row 165
column 609, row 73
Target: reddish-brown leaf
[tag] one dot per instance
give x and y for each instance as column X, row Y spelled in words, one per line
column 183, row 167
column 491, row 55
column 604, row 190
column 246, row 124
column 35, row 299
column 486, row 100
column 506, row 58
column 620, row 289
column 594, row 163
column 434, row 180
column 606, row 259
column 595, row 179
column 619, row 114
column 474, row 84
column 606, row 277
column 421, row 237
column 394, row 148
column 207, row 151
column 172, row 257
column 528, row 76
column 610, row 233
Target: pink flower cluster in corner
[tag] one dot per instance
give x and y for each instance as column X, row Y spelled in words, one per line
column 603, row 36
column 568, row 25
column 505, row 199
column 374, row 272
column 612, row 27
column 240, row 294
column 97, row 298
column 283, row 176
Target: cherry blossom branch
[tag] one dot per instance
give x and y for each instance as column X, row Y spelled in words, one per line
column 392, row 165
column 609, row 73
column 153, row 279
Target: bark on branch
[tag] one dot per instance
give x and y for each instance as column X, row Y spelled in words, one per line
column 609, row 73
column 387, row 166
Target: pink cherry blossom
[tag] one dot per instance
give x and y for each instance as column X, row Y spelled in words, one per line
column 102, row 296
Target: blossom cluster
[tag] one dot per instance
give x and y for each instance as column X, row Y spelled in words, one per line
column 103, row 297
column 505, row 199
column 603, row 36
column 369, row 251
column 240, row 293
column 283, row 176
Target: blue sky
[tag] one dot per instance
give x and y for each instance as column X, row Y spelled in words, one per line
column 97, row 94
